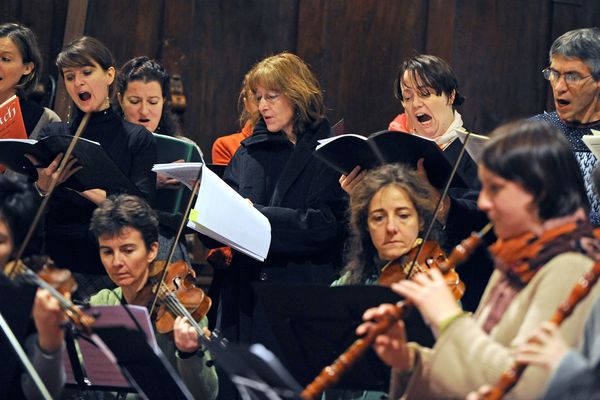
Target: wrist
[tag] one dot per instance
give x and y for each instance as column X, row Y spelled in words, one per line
column 445, row 323
column 39, row 190
column 184, row 355
column 50, row 345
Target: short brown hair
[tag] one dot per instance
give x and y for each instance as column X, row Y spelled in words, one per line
column 125, row 211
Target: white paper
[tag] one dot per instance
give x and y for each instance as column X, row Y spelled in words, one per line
column 323, row 142
column 593, row 142
column 186, row 173
column 475, row 143
column 220, row 212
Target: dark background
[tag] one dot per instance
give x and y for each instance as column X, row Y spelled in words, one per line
column 497, row 48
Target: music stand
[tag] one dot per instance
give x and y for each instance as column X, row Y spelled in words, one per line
column 314, row 325
column 255, row 371
column 148, row 370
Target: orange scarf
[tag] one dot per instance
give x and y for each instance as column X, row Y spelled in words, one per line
column 521, row 257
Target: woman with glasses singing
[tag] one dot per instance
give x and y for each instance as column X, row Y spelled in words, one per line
column 275, row 169
column 574, row 76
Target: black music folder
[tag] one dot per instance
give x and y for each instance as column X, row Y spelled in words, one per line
column 313, row 325
column 99, row 170
column 345, row 152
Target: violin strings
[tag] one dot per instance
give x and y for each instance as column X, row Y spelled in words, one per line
column 175, row 306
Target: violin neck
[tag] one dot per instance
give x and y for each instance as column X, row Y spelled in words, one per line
column 31, row 277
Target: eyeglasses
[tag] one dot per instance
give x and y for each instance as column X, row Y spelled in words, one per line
column 571, row 78
column 270, row 98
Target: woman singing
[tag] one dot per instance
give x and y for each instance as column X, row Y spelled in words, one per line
column 87, row 67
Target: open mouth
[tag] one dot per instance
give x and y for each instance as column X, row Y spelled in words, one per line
column 563, row 102
column 422, row 118
column 85, row 96
column 143, row 120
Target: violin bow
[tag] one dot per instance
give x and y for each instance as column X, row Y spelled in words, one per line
column 53, row 185
column 443, row 195
column 36, row 220
column 332, row 373
column 184, row 217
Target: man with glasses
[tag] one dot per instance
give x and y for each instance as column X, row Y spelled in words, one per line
column 574, row 75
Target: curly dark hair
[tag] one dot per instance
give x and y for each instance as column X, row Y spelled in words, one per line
column 361, row 255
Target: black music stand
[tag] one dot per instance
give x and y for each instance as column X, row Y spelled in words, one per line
column 313, row 325
column 16, row 309
column 255, row 371
column 146, row 369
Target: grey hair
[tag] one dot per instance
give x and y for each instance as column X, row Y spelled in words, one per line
column 580, row 43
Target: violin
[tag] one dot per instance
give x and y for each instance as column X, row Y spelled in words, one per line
column 430, row 256
column 58, row 282
column 177, row 294
column 332, row 373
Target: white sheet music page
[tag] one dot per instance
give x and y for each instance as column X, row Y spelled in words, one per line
column 220, row 212
column 593, row 142
column 185, row 173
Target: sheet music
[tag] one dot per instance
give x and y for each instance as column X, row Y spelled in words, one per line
column 99, row 364
column 593, row 142
column 220, row 212
column 475, row 144
column 185, row 173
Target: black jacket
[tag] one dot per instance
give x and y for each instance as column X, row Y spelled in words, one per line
column 305, row 205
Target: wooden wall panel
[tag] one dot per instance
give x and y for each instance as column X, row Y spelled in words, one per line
column 498, row 53
column 497, row 48
column 45, row 18
column 223, row 39
column 128, row 28
column 355, row 53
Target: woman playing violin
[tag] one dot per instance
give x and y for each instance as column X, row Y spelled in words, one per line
column 127, row 232
column 389, row 210
column 429, row 92
column 388, row 213
column 534, row 194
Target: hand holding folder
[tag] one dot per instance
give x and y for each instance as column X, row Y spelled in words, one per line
column 344, row 152
column 98, row 170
